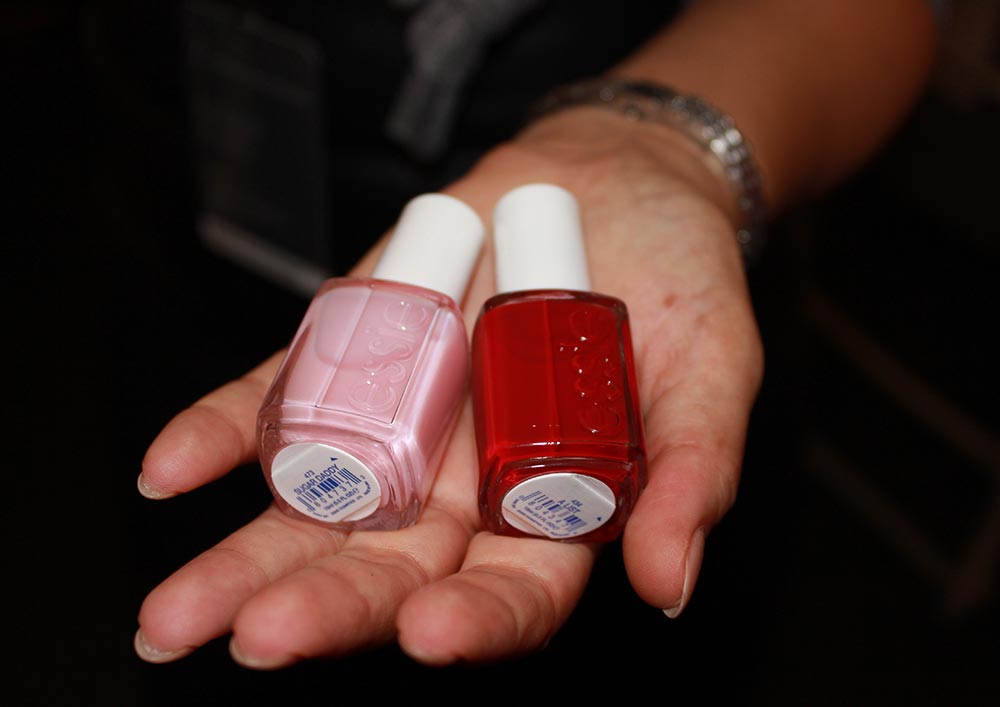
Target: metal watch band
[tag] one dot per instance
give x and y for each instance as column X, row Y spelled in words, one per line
column 709, row 127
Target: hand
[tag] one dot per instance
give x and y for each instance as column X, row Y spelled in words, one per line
column 660, row 237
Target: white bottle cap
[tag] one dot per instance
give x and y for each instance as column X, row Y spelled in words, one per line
column 538, row 240
column 435, row 245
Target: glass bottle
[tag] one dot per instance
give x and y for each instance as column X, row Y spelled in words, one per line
column 558, row 424
column 355, row 423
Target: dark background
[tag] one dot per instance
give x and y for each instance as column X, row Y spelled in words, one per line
column 859, row 564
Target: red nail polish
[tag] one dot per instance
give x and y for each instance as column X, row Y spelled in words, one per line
column 558, row 424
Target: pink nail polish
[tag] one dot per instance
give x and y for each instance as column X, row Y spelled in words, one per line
column 354, row 425
column 558, row 423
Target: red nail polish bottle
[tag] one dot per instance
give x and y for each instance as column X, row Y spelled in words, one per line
column 558, row 423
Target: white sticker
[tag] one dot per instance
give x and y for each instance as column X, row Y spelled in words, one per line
column 325, row 483
column 559, row 505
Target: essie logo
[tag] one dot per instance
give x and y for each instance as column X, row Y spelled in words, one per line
column 590, row 328
column 393, row 339
column 597, row 371
column 405, row 316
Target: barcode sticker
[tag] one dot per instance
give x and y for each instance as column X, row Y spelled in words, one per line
column 325, row 483
column 559, row 505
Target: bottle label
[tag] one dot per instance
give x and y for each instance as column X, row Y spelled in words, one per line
column 559, row 505
column 325, row 483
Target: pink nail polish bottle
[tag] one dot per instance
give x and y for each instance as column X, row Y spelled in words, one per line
column 354, row 425
column 558, row 424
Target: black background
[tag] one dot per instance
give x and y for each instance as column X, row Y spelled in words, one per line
column 837, row 578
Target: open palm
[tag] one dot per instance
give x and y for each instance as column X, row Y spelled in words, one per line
column 658, row 237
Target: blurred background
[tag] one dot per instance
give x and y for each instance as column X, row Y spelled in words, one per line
column 182, row 175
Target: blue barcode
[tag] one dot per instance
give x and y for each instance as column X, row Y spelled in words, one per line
column 340, row 481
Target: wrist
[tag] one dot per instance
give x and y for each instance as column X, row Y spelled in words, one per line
column 590, row 140
column 720, row 143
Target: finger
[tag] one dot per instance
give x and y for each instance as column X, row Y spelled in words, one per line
column 210, row 438
column 198, row 602
column 342, row 602
column 696, row 425
column 287, row 573
column 510, row 598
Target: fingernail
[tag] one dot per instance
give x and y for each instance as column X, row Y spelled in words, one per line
column 256, row 663
column 151, row 654
column 692, row 565
column 149, row 492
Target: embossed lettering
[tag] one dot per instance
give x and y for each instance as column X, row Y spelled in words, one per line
column 392, row 349
column 597, row 370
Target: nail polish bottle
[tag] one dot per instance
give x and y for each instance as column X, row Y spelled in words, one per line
column 558, row 424
column 355, row 423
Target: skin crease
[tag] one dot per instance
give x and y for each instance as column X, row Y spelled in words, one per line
column 445, row 590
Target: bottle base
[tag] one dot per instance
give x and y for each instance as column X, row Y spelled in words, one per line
column 382, row 519
column 580, row 500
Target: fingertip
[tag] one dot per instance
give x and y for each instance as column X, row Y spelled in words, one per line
column 256, row 644
column 663, row 554
column 258, row 662
column 151, row 653
column 509, row 600
column 692, row 568
column 654, row 566
column 197, row 446
column 429, row 655
column 167, row 470
column 150, row 491
column 188, row 609
column 434, row 624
